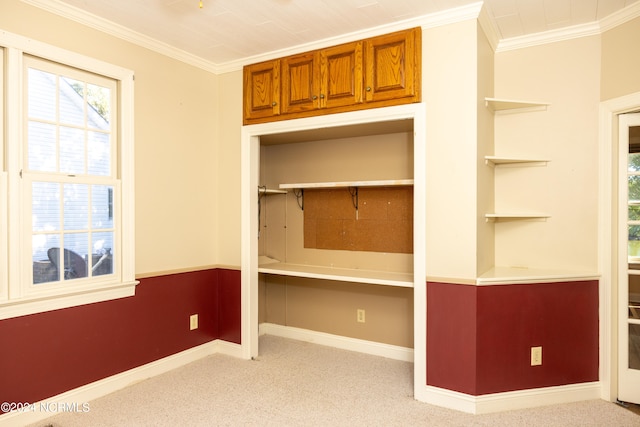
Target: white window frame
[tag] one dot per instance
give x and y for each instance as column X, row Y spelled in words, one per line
column 14, row 299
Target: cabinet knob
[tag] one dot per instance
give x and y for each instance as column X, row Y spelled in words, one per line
column 314, row 97
column 368, row 88
column 322, row 96
column 274, row 103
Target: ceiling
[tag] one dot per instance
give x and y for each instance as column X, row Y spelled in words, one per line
column 231, row 31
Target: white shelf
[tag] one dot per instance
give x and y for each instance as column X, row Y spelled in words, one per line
column 511, row 275
column 496, row 105
column 379, row 183
column 495, row 160
column 514, row 216
column 386, row 278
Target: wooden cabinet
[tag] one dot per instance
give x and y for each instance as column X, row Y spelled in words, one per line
column 301, row 82
column 392, row 69
column 342, row 68
column 262, row 90
column 376, row 72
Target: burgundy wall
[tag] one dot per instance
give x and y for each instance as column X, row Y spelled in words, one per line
column 45, row 354
column 491, row 353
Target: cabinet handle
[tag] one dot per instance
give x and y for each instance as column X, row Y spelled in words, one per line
column 368, row 88
column 315, row 97
column 274, row 103
column 322, row 96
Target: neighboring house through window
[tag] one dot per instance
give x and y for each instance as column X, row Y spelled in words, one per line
column 68, row 183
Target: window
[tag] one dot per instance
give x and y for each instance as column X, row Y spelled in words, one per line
column 69, row 180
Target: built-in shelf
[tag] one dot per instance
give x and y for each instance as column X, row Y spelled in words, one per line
column 268, row 265
column 379, row 183
column 496, row 105
column 511, row 275
column 495, row 160
column 514, row 216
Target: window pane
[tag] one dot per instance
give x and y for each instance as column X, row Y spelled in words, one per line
column 44, row 270
column 634, row 241
column 99, row 154
column 102, row 207
column 99, row 99
column 101, row 258
column 76, row 206
column 76, row 253
column 42, row 147
column 42, row 95
column 72, row 150
column 71, row 101
column 45, row 205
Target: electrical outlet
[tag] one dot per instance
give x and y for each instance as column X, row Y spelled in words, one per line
column 360, row 315
column 193, row 322
column 536, row 356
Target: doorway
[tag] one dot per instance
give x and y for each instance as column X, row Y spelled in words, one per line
column 629, row 259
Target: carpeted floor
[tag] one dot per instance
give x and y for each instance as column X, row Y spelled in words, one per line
column 294, row 383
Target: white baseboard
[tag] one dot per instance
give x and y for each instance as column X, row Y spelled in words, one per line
column 337, row 341
column 81, row 395
column 512, row 400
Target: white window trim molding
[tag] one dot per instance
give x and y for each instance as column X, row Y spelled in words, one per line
column 12, row 302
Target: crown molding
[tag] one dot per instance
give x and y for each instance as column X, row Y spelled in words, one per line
column 547, row 37
column 93, row 21
column 620, row 17
column 596, row 28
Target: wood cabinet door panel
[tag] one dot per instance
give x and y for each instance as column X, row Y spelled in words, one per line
column 342, row 75
column 262, row 90
column 301, row 82
column 391, row 66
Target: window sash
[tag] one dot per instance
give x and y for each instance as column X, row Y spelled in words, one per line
column 16, row 298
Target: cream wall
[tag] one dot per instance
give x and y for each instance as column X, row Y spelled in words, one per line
column 175, row 135
column 485, row 180
column 567, row 75
column 450, row 94
column 620, row 60
column 227, row 165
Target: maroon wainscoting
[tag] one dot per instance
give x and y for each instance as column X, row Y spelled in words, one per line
column 230, row 305
column 45, row 354
column 451, row 336
column 492, row 353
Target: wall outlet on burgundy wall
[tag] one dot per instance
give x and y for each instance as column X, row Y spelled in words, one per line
column 193, row 322
column 536, row 356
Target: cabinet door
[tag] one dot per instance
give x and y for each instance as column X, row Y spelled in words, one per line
column 392, row 66
column 262, row 90
column 301, row 82
column 342, row 75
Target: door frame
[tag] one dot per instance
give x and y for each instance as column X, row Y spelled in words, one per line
column 607, row 238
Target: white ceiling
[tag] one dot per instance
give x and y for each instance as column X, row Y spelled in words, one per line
column 230, row 31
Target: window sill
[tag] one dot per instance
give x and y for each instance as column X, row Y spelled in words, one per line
column 33, row 305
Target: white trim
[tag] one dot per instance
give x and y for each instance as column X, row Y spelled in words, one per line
column 608, row 124
column 546, row 37
column 512, row 400
column 97, row 389
column 344, row 343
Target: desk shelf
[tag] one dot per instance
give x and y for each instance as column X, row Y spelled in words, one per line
column 373, row 277
column 346, row 184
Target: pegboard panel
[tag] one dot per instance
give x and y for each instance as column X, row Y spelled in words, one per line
column 382, row 222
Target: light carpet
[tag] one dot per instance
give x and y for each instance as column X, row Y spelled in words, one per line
column 294, row 383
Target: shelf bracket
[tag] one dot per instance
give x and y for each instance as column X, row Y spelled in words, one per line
column 299, row 193
column 354, row 198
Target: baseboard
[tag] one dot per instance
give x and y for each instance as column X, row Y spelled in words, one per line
column 512, row 400
column 337, row 341
column 75, row 399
